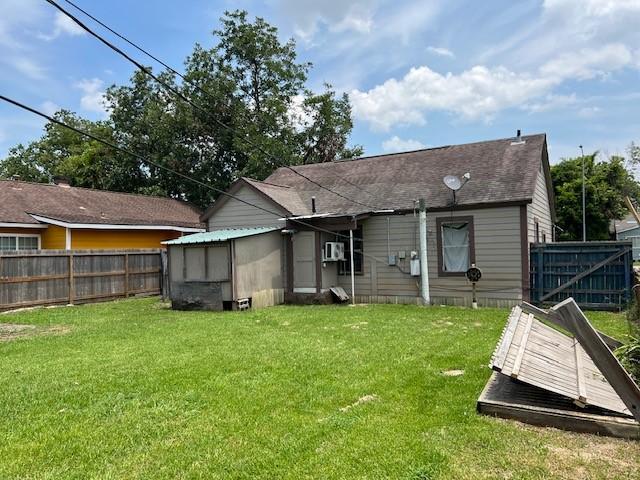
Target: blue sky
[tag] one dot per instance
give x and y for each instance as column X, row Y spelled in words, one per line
column 419, row 73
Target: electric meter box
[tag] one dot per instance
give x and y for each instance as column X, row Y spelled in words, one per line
column 415, row 267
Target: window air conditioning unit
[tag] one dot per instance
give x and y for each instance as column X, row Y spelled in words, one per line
column 333, row 251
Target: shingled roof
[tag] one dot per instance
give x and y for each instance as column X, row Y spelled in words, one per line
column 502, row 172
column 20, row 200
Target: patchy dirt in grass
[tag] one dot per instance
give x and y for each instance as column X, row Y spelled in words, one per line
column 356, row 326
column 571, row 455
column 360, row 401
column 452, row 373
column 14, row 331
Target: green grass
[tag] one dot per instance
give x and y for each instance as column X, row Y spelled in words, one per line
column 135, row 390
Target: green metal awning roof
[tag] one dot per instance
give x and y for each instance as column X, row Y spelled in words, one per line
column 220, row 235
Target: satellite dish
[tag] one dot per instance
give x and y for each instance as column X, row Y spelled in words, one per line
column 452, row 182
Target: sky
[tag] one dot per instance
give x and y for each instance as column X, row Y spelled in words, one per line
column 418, row 73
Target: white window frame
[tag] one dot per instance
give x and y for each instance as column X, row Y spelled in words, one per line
column 21, row 235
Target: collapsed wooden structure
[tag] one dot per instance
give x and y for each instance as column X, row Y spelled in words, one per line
column 571, row 381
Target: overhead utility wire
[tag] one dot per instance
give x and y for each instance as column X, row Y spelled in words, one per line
column 186, row 99
column 173, row 70
column 158, row 165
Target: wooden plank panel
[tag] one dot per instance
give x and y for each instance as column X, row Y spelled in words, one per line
column 523, row 347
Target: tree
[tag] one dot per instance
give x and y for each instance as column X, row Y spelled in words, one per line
column 62, row 152
column 607, row 183
column 253, row 114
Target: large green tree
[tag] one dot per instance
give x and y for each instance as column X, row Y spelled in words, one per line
column 607, row 183
column 253, row 113
column 85, row 162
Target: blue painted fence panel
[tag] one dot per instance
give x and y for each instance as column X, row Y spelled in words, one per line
column 607, row 288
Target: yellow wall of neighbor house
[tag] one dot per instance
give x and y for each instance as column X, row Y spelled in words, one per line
column 114, row 239
column 53, row 238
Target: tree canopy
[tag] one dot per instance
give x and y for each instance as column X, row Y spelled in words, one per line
column 607, row 183
column 255, row 113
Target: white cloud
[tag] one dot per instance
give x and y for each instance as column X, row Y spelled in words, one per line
column 62, row 25
column 27, row 67
column 440, row 51
column 92, row 99
column 397, row 144
column 551, row 102
column 479, row 92
column 49, row 107
column 356, row 21
column 588, row 63
column 337, row 15
column 588, row 112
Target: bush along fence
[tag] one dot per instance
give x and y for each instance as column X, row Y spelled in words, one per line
column 598, row 275
column 49, row 277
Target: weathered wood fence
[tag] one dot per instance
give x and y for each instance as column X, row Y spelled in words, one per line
column 598, row 275
column 49, row 277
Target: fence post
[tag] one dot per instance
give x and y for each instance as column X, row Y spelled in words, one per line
column 164, row 274
column 126, row 275
column 540, row 268
column 72, row 286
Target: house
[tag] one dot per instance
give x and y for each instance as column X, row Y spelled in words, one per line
column 58, row 216
column 628, row 229
column 490, row 222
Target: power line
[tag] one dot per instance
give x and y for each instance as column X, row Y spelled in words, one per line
column 180, row 95
column 171, row 69
column 163, row 167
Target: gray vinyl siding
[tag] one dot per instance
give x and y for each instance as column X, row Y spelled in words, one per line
column 497, row 249
column 258, row 261
column 235, row 214
column 539, row 210
column 632, row 235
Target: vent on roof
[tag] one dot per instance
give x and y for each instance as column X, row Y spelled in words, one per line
column 62, row 182
column 519, row 140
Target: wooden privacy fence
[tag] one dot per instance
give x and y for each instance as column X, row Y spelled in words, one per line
column 48, row 277
column 598, row 275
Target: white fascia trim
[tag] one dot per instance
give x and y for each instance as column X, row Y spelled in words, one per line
column 21, row 225
column 109, row 226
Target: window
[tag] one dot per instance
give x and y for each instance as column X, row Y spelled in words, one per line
column 344, row 267
column 537, row 225
column 456, row 250
column 19, row 242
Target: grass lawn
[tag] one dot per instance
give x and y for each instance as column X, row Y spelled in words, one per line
column 132, row 389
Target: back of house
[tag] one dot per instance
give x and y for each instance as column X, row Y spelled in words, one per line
column 313, row 214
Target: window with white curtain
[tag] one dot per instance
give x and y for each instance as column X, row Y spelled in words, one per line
column 19, row 242
column 455, row 242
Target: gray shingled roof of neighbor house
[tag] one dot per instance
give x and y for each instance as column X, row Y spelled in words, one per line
column 18, row 200
column 502, row 171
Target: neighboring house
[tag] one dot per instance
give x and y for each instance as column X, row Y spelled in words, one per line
column 507, row 204
column 628, row 229
column 57, row 216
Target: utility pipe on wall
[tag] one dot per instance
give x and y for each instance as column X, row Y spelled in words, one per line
column 353, row 277
column 424, row 266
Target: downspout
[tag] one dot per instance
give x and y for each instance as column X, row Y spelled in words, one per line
column 353, row 277
column 424, row 267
